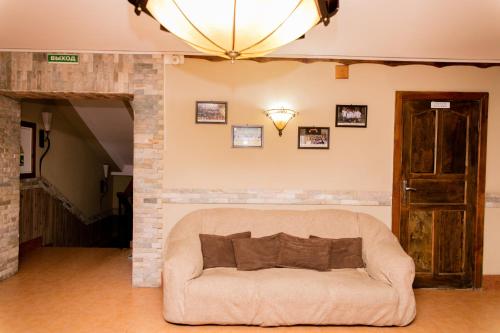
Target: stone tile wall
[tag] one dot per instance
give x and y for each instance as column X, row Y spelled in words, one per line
column 141, row 75
column 10, row 124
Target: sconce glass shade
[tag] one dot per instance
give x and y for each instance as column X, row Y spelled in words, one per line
column 236, row 29
column 105, row 168
column 47, row 120
column 280, row 117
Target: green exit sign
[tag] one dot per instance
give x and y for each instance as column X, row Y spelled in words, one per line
column 63, row 58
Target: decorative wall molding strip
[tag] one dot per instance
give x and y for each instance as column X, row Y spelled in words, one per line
column 280, row 197
column 492, row 200
column 289, row 197
column 44, row 184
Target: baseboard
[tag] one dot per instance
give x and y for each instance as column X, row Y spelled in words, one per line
column 30, row 245
column 491, row 282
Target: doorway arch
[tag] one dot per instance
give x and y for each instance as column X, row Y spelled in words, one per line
column 137, row 77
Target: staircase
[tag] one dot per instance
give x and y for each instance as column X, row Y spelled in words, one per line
column 49, row 220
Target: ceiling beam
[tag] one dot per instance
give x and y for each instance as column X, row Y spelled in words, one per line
column 391, row 63
column 62, row 95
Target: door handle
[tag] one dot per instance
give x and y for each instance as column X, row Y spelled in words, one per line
column 407, row 188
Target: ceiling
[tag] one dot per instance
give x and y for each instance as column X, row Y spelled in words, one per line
column 445, row 30
column 112, row 125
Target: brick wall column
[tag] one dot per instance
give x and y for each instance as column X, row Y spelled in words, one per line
column 10, row 122
column 148, row 89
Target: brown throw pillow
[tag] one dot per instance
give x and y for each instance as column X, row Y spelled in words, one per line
column 296, row 252
column 345, row 252
column 218, row 250
column 256, row 253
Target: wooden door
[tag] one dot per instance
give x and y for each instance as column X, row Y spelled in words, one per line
column 438, row 189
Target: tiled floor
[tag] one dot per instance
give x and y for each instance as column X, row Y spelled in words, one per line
column 89, row 290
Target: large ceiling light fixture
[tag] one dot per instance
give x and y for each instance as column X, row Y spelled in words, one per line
column 238, row 29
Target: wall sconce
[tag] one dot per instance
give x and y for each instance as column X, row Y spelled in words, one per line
column 280, row 117
column 104, row 181
column 43, row 136
column 104, row 188
column 105, row 168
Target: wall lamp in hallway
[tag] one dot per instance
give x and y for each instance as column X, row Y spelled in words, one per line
column 280, row 117
column 44, row 137
column 104, row 183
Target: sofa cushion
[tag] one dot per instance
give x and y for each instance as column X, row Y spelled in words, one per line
column 345, row 252
column 297, row 252
column 218, row 250
column 256, row 253
column 284, row 296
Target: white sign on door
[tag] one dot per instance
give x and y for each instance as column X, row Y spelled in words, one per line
column 440, row 105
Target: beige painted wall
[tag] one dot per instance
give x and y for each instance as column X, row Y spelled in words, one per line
column 359, row 159
column 72, row 164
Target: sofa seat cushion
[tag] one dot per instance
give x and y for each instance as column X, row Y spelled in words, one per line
column 286, row 296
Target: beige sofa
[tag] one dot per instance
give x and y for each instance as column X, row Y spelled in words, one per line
column 379, row 295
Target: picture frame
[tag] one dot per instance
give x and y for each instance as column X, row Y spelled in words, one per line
column 313, row 138
column 247, row 136
column 211, row 112
column 351, row 116
column 27, row 153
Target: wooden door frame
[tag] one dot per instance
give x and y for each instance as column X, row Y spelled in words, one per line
column 478, row 227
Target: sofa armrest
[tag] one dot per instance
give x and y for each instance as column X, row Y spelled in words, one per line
column 184, row 259
column 183, row 262
column 386, row 261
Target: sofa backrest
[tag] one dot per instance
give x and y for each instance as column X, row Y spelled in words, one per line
column 223, row 221
column 330, row 223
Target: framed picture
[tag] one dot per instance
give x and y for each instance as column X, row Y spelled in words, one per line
column 247, row 136
column 211, row 112
column 351, row 116
column 27, row 156
column 314, row 138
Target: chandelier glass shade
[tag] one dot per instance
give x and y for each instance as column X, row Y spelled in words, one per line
column 237, row 29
